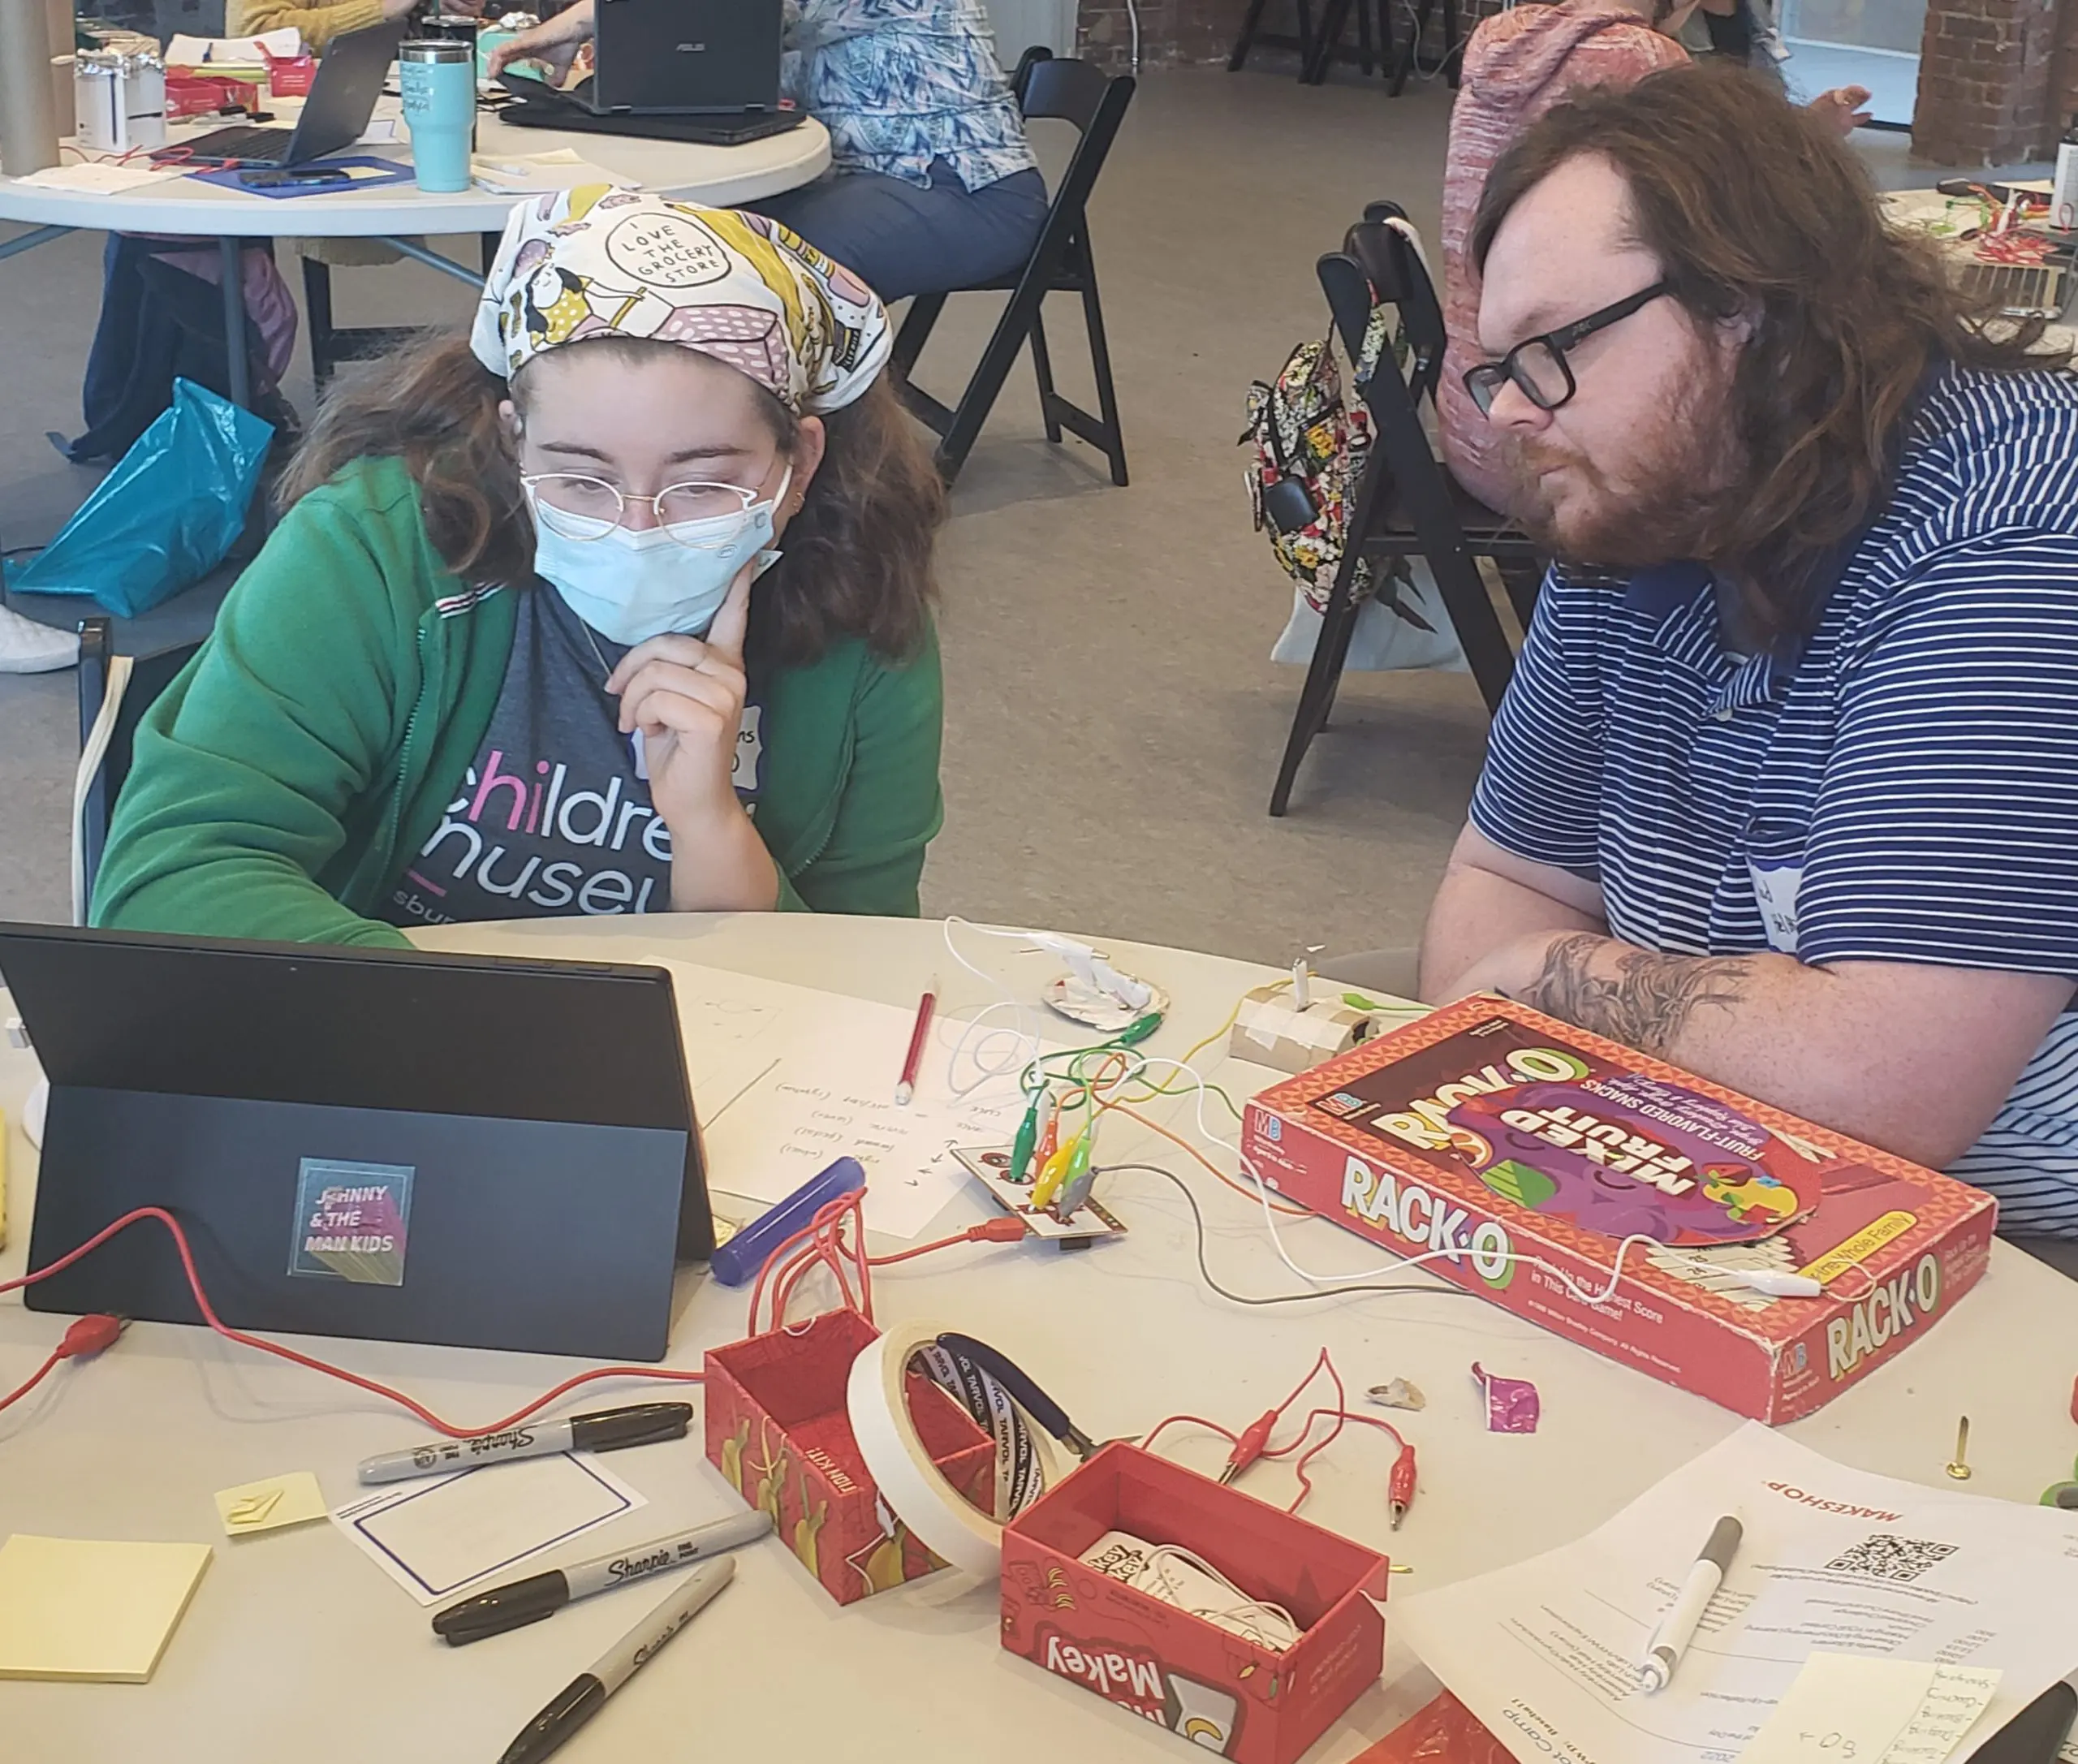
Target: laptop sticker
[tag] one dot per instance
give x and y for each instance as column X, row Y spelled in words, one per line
column 351, row 1221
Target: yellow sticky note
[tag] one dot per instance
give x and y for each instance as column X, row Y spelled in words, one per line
column 294, row 1499
column 72, row 1609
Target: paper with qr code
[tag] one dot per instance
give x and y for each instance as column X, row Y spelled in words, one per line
column 1833, row 1560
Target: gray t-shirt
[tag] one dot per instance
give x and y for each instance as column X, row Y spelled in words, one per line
column 554, row 815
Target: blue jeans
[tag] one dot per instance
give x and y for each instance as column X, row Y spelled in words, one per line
column 902, row 240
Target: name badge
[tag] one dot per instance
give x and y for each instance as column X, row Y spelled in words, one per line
column 1775, row 887
column 750, row 752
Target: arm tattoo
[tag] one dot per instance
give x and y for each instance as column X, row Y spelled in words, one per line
column 1646, row 1002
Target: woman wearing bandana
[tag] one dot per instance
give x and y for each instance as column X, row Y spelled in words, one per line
column 621, row 605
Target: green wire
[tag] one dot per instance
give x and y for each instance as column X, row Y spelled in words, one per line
column 1131, row 1036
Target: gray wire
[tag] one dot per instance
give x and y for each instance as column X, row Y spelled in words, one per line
column 1440, row 1288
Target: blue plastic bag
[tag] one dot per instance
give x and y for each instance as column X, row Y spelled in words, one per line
column 165, row 515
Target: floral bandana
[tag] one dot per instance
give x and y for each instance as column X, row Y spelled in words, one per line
column 600, row 261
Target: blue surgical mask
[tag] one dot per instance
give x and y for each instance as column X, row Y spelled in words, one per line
column 630, row 587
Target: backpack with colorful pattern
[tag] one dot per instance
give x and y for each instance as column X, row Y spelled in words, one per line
column 1310, row 446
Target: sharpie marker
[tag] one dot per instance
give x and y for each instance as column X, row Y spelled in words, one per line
column 520, row 1602
column 605, row 1430
column 1669, row 1640
column 586, row 1695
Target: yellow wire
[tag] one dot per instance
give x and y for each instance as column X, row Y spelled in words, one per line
column 1233, row 1017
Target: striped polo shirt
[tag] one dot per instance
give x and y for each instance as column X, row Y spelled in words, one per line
column 1904, row 789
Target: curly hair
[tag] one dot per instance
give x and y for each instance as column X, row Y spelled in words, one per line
column 857, row 558
column 1758, row 210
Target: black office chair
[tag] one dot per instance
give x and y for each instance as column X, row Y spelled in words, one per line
column 115, row 691
column 1064, row 89
column 1406, row 504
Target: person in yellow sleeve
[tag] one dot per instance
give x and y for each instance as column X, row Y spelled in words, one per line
column 321, row 23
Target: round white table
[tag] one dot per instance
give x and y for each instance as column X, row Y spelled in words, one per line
column 186, row 207
column 297, row 1646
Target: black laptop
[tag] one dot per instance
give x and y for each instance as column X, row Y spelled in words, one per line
column 350, row 79
column 685, row 57
column 397, row 1145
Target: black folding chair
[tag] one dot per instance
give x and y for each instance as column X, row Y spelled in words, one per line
column 115, row 691
column 331, row 344
column 1406, row 504
column 1252, row 34
column 1374, row 39
column 1454, row 43
column 1067, row 90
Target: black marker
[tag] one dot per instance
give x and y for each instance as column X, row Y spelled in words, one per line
column 519, row 1602
column 586, row 1695
column 606, row 1430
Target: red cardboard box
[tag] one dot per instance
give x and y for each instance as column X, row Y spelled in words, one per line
column 1219, row 1690
column 778, row 1430
column 291, row 76
column 1487, row 1129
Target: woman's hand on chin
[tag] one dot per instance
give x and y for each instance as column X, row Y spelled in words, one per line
column 684, row 696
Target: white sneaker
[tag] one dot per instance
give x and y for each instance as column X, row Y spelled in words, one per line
column 27, row 647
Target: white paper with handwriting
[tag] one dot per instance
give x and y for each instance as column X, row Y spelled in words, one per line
column 788, row 1078
column 1833, row 1561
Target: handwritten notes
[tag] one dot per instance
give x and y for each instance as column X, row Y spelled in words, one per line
column 1845, row 1709
column 788, row 1078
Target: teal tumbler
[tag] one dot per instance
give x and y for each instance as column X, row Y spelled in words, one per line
column 439, row 79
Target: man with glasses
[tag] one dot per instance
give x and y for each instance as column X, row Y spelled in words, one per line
column 1785, row 787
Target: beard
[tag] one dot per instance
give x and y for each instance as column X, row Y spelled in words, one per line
column 1664, row 508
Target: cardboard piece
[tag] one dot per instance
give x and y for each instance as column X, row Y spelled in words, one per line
column 71, row 1609
column 778, row 1429
column 1487, row 1130
column 1270, row 1030
column 1216, row 1689
column 271, row 1504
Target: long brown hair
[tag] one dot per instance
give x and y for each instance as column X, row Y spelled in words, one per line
column 856, row 560
column 1759, row 210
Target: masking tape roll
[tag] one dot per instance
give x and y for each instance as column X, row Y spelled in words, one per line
column 876, row 1399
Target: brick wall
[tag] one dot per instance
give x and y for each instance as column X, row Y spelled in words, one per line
column 1170, row 31
column 1993, row 85
column 1199, row 31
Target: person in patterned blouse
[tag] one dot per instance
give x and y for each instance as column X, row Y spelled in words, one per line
column 932, row 185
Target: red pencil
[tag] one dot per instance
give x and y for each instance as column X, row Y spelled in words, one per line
column 906, row 1088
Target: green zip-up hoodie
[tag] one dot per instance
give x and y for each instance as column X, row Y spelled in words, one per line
column 282, row 782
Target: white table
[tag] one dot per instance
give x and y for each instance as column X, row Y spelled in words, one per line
column 186, row 207
column 1917, row 209
column 297, row 1647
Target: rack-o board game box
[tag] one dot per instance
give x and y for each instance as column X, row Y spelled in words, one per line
column 1515, row 1148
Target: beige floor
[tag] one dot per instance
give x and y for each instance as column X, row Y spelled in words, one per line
column 1113, row 722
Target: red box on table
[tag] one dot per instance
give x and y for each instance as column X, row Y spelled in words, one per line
column 1487, row 1128
column 777, row 1428
column 290, row 76
column 1219, row 1690
column 191, row 93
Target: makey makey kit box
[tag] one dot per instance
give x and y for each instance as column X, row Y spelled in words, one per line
column 1503, row 1139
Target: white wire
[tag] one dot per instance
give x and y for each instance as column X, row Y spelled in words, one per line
column 1173, row 1593
column 1025, row 1039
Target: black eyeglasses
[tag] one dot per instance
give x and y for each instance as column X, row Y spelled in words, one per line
column 1538, row 365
